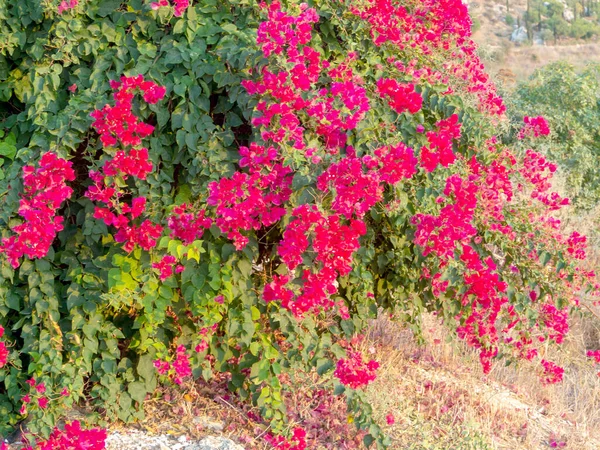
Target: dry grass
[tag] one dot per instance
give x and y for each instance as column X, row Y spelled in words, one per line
column 442, row 400
column 523, row 61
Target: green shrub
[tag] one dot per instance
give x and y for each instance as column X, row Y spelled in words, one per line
column 321, row 188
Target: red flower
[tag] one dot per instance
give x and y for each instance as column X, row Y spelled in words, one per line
column 353, row 371
column 3, row 354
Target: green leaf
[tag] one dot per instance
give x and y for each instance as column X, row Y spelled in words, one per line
column 137, row 391
column 108, row 6
column 254, row 348
column 545, row 258
column 324, row 366
column 145, row 367
column 7, row 150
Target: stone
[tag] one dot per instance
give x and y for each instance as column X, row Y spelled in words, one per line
column 568, row 15
column 519, row 35
column 217, row 443
column 208, row 423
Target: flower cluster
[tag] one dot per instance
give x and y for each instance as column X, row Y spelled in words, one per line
column 551, row 372
column 334, row 244
column 577, row 245
column 73, row 437
column 284, row 32
column 45, row 191
column 188, row 226
column 439, row 234
column 65, row 5
column 179, row 6
column 249, row 201
column 595, row 355
column 37, row 396
column 357, row 190
column 485, row 294
column 354, row 372
column 296, row 442
column 165, row 267
column 538, row 171
column 3, row 350
column 332, row 122
column 118, row 124
column 181, row 365
column 402, row 97
column 335, row 109
column 495, row 191
column 179, row 369
column 135, row 164
column 534, row 126
column 434, row 25
column 440, row 144
column 555, row 320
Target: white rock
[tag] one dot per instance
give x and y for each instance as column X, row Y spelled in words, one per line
column 207, row 422
column 519, row 35
column 218, row 443
column 568, row 15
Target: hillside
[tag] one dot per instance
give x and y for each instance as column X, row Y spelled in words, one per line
column 495, row 26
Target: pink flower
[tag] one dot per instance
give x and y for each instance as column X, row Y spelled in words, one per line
column 354, row 372
column 72, row 88
column 552, row 372
column 45, row 189
column 74, row 437
column 181, row 365
column 202, row 346
column 3, row 354
column 43, row 402
column 390, row 420
column 66, row 5
column 401, row 97
column 165, row 266
column 162, row 366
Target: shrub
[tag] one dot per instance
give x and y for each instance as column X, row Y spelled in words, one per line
column 229, row 188
column 568, row 99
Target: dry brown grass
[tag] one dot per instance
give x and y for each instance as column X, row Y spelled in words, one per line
column 523, row 61
column 442, row 400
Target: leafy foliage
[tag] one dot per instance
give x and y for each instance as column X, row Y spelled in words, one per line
column 306, row 170
column 568, row 99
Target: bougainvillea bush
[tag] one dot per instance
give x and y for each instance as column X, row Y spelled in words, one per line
column 192, row 189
